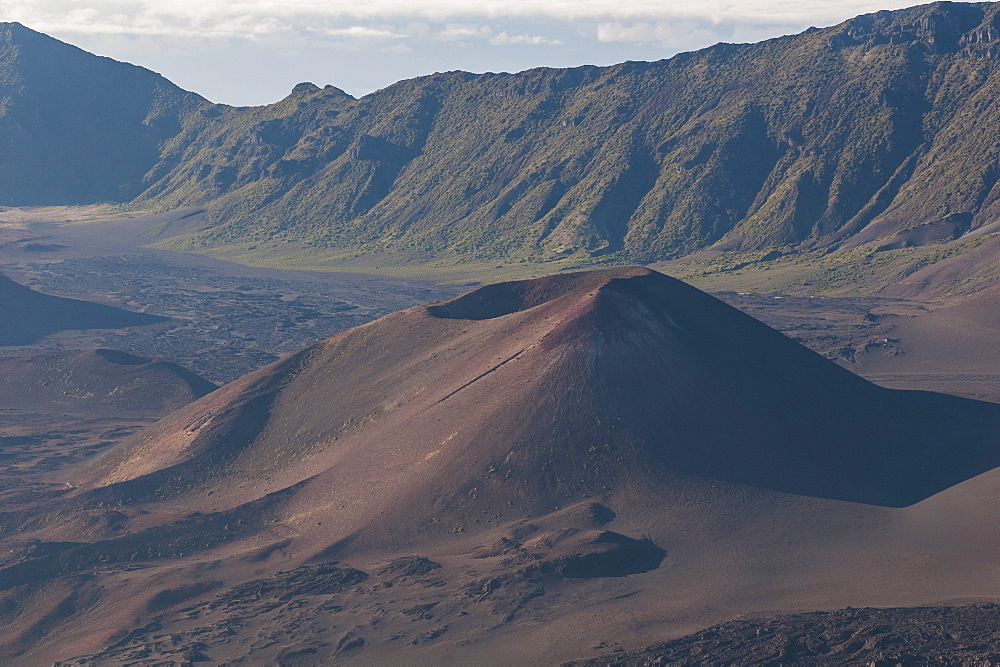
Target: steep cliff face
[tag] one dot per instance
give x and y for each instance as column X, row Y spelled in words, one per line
column 859, row 131
column 883, row 127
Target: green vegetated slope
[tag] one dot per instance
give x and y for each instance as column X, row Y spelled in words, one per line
column 77, row 128
column 882, row 124
column 881, row 131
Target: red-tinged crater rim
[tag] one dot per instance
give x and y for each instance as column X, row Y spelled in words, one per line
column 493, row 301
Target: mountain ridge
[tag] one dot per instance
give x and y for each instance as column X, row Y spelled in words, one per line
column 876, row 133
column 79, row 128
column 701, row 149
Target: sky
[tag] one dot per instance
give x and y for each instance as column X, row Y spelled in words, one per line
column 249, row 52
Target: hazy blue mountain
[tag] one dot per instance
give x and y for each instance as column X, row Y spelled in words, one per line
column 78, row 128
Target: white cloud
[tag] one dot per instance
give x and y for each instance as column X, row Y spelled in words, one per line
column 684, row 34
column 258, row 18
column 636, row 32
column 463, row 31
column 143, row 19
column 503, row 39
column 363, row 32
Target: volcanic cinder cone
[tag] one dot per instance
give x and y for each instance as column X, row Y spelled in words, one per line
column 522, row 396
column 525, row 430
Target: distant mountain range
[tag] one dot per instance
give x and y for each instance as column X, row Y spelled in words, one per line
column 884, row 129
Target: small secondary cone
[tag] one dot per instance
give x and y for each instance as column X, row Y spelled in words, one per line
column 96, row 383
column 27, row 316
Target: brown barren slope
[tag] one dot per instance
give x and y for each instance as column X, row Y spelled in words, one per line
column 509, row 475
column 60, row 408
column 959, row 338
column 952, row 349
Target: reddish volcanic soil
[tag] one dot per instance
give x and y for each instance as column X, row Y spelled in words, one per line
column 60, row 408
column 536, row 471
